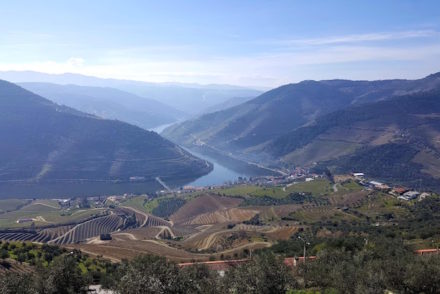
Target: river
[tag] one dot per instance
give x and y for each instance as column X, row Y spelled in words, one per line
column 219, row 175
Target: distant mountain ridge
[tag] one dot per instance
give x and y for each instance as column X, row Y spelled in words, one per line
column 243, row 128
column 189, row 98
column 109, row 103
column 45, row 142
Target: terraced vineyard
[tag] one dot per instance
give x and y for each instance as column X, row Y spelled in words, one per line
column 42, row 236
column 222, row 216
column 154, row 221
column 89, row 229
column 199, row 226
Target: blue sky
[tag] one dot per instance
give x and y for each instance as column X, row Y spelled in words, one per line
column 251, row 43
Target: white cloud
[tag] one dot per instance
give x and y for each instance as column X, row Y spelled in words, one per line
column 357, row 38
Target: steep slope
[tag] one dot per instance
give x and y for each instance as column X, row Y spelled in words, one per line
column 189, row 98
column 45, row 142
column 246, row 128
column 109, row 103
column 228, row 104
column 395, row 140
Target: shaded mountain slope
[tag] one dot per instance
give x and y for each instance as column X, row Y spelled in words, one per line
column 245, row 129
column 44, row 142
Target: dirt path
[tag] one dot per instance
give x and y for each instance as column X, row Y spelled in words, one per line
column 163, row 184
column 45, row 204
column 162, row 229
column 129, row 235
column 265, row 244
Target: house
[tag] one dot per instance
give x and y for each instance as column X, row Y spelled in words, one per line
column 358, row 175
column 399, row 190
column 379, row 185
column 410, row 195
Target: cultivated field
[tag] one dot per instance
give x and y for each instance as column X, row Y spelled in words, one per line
column 223, row 223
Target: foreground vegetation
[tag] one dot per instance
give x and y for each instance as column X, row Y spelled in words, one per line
column 348, row 265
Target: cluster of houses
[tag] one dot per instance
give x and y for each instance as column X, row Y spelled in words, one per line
column 400, row 192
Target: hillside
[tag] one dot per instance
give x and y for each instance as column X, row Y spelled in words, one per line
column 245, row 129
column 395, row 140
column 109, row 103
column 44, row 142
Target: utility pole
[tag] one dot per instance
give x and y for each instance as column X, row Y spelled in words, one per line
column 305, row 243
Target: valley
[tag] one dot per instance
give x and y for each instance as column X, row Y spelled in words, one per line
column 335, row 124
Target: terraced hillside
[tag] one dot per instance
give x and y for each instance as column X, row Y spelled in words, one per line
column 211, row 225
column 203, row 204
column 89, row 229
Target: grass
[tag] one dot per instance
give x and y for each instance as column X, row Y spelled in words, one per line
column 47, row 215
column 317, row 188
column 137, row 202
column 11, row 204
column 383, row 204
column 150, row 205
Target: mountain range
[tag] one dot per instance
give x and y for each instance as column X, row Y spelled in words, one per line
column 191, row 99
column 43, row 142
column 342, row 124
column 109, row 103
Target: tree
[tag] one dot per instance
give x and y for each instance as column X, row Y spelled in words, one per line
column 265, row 273
column 13, row 283
column 147, row 274
column 4, row 253
column 63, row 276
column 422, row 275
column 198, row 279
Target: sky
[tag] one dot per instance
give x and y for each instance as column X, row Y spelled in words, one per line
column 240, row 42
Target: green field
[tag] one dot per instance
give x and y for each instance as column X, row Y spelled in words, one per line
column 318, row 187
column 45, row 212
column 137, row 202
column 11, row 204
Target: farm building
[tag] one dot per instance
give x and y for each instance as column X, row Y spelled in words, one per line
column 399, row 190
column 379, row 185
column 410, row 195
column 24, row 220
column 358, row 175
